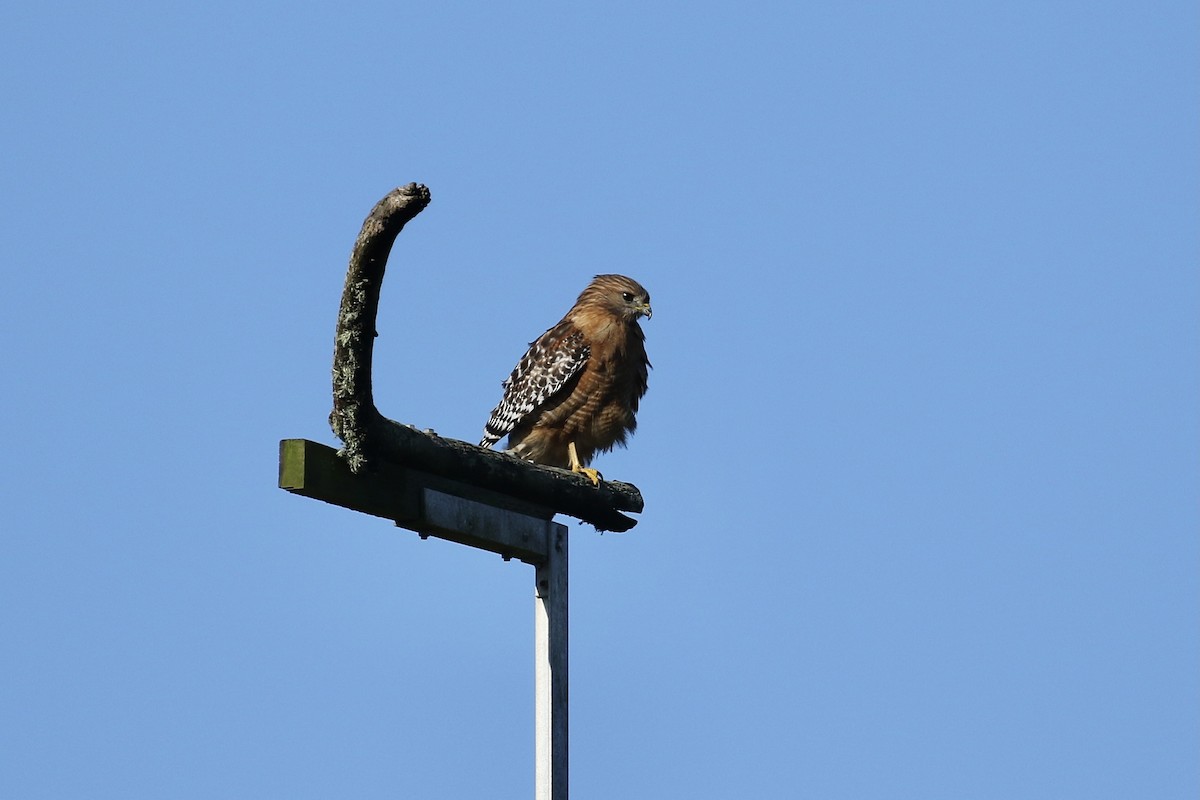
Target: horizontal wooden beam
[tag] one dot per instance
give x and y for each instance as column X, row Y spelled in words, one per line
column 563, row 491
column 425, row 503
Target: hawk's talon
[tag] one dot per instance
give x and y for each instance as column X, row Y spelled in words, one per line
column 592, row 474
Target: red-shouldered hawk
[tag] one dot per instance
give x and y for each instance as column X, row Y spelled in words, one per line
column 576, row 390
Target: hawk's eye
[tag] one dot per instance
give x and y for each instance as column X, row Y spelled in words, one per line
column 627, row 297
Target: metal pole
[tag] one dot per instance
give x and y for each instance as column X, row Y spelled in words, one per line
column 550, row 672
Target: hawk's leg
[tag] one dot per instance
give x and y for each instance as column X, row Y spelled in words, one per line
column 576, row 466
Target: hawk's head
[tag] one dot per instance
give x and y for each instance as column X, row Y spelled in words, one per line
column 624, row 297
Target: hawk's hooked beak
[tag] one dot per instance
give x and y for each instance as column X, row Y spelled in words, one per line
column 645, row 310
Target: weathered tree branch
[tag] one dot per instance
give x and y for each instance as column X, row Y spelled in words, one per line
column 366, row 434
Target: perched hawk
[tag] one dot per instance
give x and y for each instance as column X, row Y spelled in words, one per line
column 576, row 390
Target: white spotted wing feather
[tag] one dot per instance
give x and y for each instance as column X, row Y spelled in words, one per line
column 548, row 366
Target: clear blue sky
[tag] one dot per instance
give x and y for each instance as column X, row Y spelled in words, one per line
column 920, row 453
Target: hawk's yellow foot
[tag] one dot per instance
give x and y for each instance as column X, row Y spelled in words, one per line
column 593, row 475
column 577, row 466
